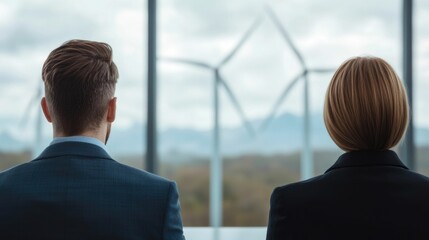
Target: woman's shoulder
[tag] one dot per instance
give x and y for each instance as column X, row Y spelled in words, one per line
column 298, row 188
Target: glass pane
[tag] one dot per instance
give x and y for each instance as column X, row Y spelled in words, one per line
column 421, row 84
column 257, row 154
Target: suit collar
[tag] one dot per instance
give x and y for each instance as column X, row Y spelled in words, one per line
column 74, row 149
column 368, row 158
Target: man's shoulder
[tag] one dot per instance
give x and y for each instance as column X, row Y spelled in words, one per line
column 14, row 175
column 139, row 174
column 104, row 168
column 13, row 170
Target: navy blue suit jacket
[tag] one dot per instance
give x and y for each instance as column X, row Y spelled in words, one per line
column 75, row 190
column 364, row 195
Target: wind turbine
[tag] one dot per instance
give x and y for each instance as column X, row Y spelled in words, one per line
column 307, row 167
column 216, row 161
column 34, row 103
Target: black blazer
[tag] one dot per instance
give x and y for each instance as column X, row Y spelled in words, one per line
column 75, row 190
column 364, row 195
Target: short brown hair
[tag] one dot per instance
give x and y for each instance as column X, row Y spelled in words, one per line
column 80, row 78
column 366, row 106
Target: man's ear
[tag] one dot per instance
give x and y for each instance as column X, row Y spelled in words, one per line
column 46, row 109
column 111, row 110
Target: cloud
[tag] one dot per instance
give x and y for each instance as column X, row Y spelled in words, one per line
column 36, row 25
column 325, row 32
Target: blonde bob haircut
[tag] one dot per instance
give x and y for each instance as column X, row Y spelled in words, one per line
column 366, row 106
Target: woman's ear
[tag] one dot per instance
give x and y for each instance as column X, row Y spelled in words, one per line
column 45, row 110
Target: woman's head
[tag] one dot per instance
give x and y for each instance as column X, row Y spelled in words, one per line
column 366, row 105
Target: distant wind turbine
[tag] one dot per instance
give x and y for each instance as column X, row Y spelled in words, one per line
column 216, row 161
column 34, row 103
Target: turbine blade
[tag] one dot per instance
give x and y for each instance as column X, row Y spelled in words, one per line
column 39, row 121
column 237, row 106
column 243, row 39
column 321, row 70
column 279, row 101
column 186, row 61
column 285, row 35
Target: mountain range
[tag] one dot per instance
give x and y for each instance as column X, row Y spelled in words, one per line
column 283, row 134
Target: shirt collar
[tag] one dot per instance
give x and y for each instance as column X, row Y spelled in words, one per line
column 83, row 139
column 368, row 158
column 73, row 148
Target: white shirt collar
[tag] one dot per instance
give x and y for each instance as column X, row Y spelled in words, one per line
column 83, row 139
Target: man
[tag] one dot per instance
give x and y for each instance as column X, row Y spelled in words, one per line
column 74, row 189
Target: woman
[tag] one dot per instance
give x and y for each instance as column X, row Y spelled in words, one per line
column 368, row 193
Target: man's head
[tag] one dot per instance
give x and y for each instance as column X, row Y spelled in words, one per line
column 80, row 78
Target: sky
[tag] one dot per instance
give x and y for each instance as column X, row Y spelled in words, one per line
column 326, row 33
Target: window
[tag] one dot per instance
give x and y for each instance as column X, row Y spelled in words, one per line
column 194, row 38
column 260, row 86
